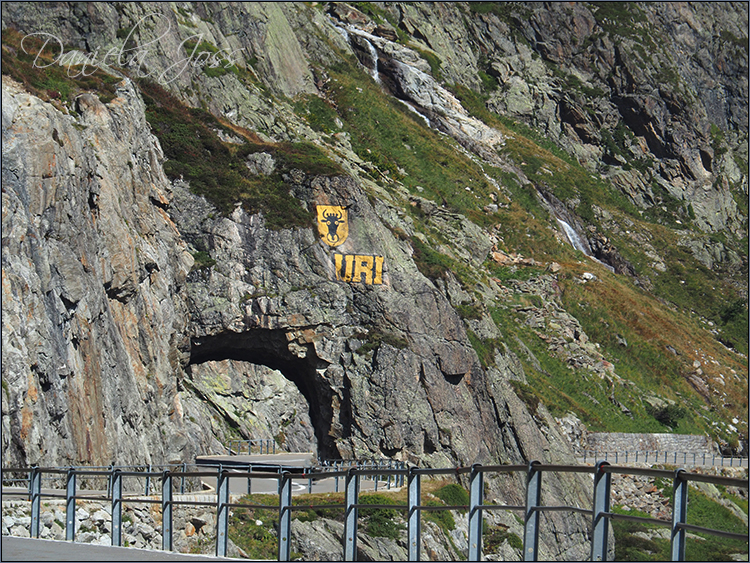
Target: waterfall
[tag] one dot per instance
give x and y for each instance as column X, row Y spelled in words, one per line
column 578, row 243
column 415, row 110
column 349, row 31
column 374, row 59
column 573, row 237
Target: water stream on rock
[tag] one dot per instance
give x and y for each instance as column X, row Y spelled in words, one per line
column 374, row 60
column 413, row 108
column 350, row 30
column 573, row 237
column 578, row 243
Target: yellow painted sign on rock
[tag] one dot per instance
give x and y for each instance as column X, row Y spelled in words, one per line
column 359, row 269
column 333, row 225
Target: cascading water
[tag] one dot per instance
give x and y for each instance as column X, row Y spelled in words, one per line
column 573, row 237
column 364, row 38
column 415, row 110
column 374, row 60
column 579, row 244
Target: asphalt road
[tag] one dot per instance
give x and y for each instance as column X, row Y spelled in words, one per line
column 239, row 486
column 27, row 549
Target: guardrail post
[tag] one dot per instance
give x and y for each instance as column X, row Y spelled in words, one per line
column 70, row 505
column 350, row 515
column 35, row 486
column 600, row 524
column 110, row 469
column 533, row 498
column 117, row 509
column 285, row 517
column 414, row 522
column 28, row 482
column 249, row 480
column 166, row 510
column 222, row 513
column 679, row 515
column 476, row 490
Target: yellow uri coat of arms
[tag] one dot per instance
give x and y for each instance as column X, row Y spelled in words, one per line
column 333, row 225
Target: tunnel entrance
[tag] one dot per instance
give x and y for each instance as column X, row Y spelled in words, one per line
column 270, row 348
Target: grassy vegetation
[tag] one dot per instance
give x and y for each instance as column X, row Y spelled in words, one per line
column 702, row 511
column 392, row 138
column 651, row 346
column 320, row 114
column 381, row 522
column 376, row 337
column 217, row 170
column 42, row 76
column 202, row 260
column 431, row 263
column 494, row 536
column 484, row 347
column 453, row 494
column 564, row 389
column 212, row 60
column 433, row 60
column 254, row 529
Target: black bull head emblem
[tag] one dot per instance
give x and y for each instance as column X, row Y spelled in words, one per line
column 332, row 221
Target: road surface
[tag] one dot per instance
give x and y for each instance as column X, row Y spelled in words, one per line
column 28, row 549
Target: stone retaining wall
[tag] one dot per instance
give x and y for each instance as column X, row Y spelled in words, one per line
column 194, row 527
column 625, row 442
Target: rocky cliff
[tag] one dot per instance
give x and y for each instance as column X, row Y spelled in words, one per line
column 172, row 276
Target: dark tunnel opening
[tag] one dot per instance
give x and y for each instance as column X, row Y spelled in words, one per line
column 270, row 348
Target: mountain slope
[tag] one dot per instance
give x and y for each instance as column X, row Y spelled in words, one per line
column 557, row 192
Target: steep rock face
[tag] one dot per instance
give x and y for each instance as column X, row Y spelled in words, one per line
column 116, row 347
column 581, row 73
column 99, row 306
column 275, row 300
column 93, row 322
column 385, row 370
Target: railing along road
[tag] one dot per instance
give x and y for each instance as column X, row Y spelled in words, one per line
column 600, row 512
column 671, row 457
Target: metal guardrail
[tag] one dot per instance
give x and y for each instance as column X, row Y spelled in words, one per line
column 337, row 466
column 673, row 458
column 101, row 475
column 600, row 512
column 239, row 447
